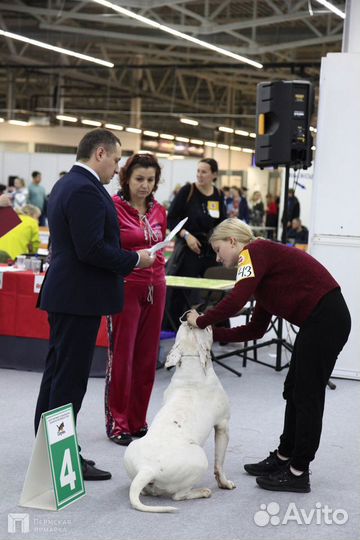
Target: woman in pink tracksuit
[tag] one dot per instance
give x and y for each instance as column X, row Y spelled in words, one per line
column 134, row 334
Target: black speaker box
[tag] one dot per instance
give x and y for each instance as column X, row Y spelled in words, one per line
column 283, row 112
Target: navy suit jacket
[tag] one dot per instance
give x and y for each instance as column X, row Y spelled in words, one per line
column 87, row 265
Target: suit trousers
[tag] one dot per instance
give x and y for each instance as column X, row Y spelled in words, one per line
column 134, row 347
column 68, row 362
column 316, row 349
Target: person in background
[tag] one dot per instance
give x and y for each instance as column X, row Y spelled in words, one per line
column 37, row 196
column 297, row 233
column 134, row 334
column 24, row 238
column 293, row 208
column 271, row 216
column 228, row 199
column 85, row 277
column 174, row 192
column 18, row 194
column 244, row 212
column 291, row 284
column 257, row 210
column 204, row 205
column 2, row 189
column 233, row 206
column 4, row 200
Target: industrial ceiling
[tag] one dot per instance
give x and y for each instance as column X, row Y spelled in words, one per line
column 157, row 76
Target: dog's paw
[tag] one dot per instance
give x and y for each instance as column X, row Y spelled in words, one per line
column 206, row 492
column 228, row 484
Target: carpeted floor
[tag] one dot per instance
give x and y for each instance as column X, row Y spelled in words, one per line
column 242, row 514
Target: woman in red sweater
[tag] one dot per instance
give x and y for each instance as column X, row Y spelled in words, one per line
column 134, row 334
column 291, row 284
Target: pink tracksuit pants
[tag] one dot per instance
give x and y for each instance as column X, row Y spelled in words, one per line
column 134, row 336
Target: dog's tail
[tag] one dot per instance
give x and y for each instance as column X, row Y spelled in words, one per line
column 143, row 477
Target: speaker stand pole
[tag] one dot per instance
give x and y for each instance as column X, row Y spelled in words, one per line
column 279, row 343
column 286, row 202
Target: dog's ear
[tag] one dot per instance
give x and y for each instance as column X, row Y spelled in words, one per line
column 204, row 340
column 174, row 356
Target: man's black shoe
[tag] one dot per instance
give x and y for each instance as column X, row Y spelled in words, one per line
column 89, row 461
column 267, row 466
column 143, row 431
column 91, row 473
column 124, row 439
column 285, row 480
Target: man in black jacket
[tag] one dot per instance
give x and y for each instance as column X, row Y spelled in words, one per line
column 85, row 277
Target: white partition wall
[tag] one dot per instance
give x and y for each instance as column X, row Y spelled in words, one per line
column 24, row 163
column 335, row 216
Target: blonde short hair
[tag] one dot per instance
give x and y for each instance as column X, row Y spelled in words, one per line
column 31, row 210
column 233, row 228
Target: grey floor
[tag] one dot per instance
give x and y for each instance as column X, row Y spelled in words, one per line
column 257, row 409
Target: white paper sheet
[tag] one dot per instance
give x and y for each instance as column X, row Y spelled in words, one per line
column 169, row 237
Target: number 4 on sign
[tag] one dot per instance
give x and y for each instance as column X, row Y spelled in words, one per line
column 54, row 477
column 67, row 474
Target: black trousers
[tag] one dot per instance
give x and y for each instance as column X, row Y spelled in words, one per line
column 316, row 349
column 178, row 301
column 68, row 362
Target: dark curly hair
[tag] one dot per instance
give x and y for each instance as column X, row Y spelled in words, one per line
column 134, row 162
column 212, row 163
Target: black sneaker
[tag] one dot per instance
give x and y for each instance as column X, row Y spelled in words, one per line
column 269, row 465
column 285, row 480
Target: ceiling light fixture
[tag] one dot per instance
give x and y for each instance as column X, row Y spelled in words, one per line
column 332, row 8
column 176, row 33
column 210, row 144
column 150, row 133
column 226, row 129
column 241, row 132
column 182, row 139
column 252, row 135
column 56, row 49
column 66, row 118
column 2, row 120
column 189, row 121
column 95, row 123
column 248, row 150
column 19, row 123
column 223, row 146
column 197, row 141
column 115, row 127
column 133, row 130
column 167, row 136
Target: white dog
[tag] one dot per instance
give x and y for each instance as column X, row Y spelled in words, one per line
column 170, row 459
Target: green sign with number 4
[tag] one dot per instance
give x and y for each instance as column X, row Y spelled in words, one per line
column 64, row 455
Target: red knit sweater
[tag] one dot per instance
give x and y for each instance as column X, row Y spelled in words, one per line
column 283, row 280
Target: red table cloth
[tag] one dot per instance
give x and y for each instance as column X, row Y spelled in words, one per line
column 19, row 316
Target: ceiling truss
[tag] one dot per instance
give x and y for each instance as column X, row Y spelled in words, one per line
column 171, row 77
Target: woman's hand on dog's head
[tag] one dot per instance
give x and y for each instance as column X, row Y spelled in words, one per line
column 191, row 318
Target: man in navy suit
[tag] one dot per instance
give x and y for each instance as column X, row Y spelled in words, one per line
column 85, row 276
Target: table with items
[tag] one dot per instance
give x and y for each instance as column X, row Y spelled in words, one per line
column 24, row 329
